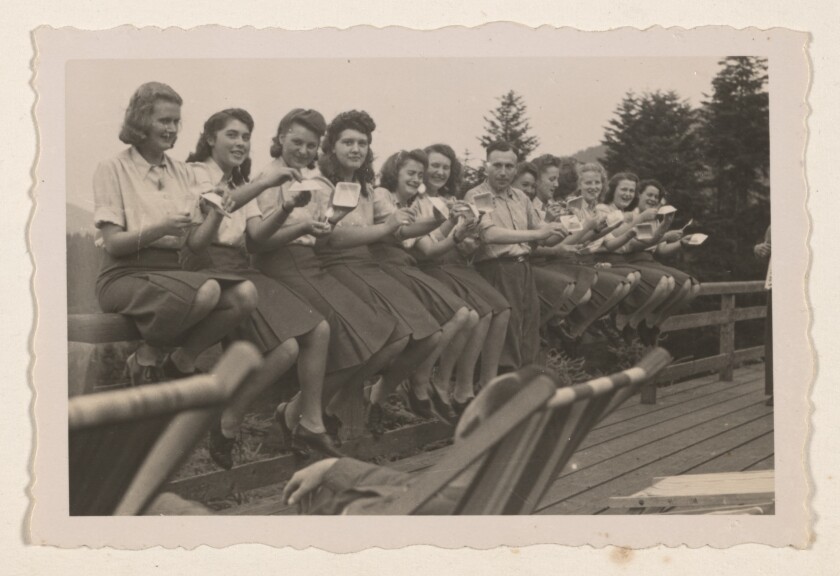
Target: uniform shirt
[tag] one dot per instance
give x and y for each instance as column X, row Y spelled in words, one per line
column 231, row 230
column 272, row 198
column 133, row 194
column 512, row 209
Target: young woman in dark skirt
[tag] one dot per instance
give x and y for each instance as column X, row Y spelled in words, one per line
column 446, row 257
column 362, row 337
column 609, row 287
column 347, row 157
column 652, row 195
column 145, row 209
column 284, row 326
column 621, row 245
column 401, row 178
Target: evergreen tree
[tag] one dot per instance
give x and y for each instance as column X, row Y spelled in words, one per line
column 737, row 133
column 656, row 135
column 509, row 122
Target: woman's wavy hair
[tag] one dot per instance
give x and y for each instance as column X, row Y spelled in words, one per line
column 567, row 183
column 215, row 124
column 390, row 172
column 527, row 168
column 594, row 167
column 351, row 120
column 609, row 196
column 138, row 115
column 276, row 149
column 456, row 169
column 644, row 184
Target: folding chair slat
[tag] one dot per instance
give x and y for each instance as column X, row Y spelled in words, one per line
column 124, row 444
column 494, row 488
column 104, row 459
column 463, row 454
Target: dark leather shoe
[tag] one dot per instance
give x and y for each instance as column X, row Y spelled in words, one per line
column 285, row 432
column 221, row 447
column 422, row 408
column 441, row 408
column 304, row 440
column 333, row 424
column 374, row 416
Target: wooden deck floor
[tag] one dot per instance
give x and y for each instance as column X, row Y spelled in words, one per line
column 698, row 426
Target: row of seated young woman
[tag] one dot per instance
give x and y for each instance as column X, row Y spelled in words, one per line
column 399, row 287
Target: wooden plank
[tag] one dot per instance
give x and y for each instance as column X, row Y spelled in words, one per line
column 696, row 387
column 651, row 436
column 696, row 320
column 633, row 469
column 718, row 489
column 742, row 457
column 100, row 328
column 215, row 485
column 766, row 464
column 665, row 420
column 708, row 364
column 727, row 336
column 717, row 288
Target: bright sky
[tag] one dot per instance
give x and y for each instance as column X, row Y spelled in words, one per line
column 415, row 102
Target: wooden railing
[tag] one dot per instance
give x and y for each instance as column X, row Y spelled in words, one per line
column 102, row 328
column 726, row 317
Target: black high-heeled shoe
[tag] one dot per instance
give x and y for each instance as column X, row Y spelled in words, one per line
column 285, row 432
column 221, row 447
column 422, row 408
column 304, row 440
column 440, row 408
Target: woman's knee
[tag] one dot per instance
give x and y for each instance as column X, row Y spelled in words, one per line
column 472, row 320
column 207, row 296
column 319, row 335
column 291, row 348
column 245, row 297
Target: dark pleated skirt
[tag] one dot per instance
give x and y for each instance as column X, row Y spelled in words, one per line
column 552, row 284
column 515, row 281
column 468, row 285
column 439, row 300
column 357, row 270
column 281, row 312
column 650, row 277
column 153, row 289
column 357, row 331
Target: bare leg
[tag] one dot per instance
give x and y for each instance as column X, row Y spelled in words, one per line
column 276, row 363
column 465, row 375
column 234, row 304
column 312, row 362
column 493, row 345
column 660, row 293
column 676, row 300
column 421, row 379
column 401, row 368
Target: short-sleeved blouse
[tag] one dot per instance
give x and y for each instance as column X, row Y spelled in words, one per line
column 272, row 198
column 231, row 230
column 132, row 193
column 386, row 203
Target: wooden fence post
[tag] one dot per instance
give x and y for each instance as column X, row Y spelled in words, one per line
column 727, row 336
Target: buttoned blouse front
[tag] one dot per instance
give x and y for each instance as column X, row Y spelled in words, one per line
column 512, row 209
column 272, row 198
column 133, row 194
column 231, row 230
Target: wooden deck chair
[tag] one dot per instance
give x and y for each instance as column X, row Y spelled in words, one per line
column 524, row 446
column 480, row 445
column 124, row 444
column 574, row 412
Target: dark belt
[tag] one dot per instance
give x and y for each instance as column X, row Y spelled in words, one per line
column 521, row 258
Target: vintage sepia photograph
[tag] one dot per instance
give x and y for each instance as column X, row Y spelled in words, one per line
column 422, row 285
